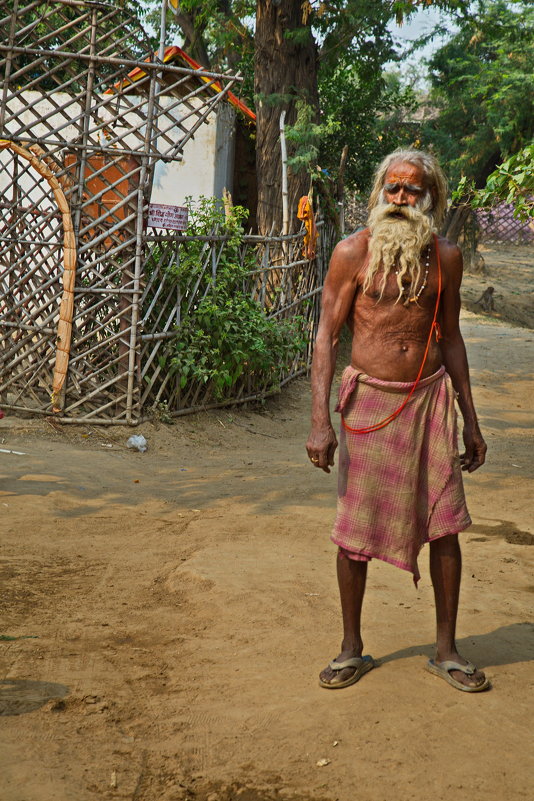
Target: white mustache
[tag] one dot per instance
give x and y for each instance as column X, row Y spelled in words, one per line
column 410, row 213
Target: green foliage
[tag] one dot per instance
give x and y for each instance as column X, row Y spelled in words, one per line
column 229, row 336
column 219, row 35
column 483, row 84
column 226, row 334
column 366, row 111
column 359, row 105
column 299, row 35
column 511, row 182
column 304, row 139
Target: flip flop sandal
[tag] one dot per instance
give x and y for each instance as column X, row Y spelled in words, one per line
column 442, row 669
column 363, row 665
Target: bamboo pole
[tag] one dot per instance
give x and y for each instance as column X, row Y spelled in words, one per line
column 146, row 171
column 120, row 62
column 341, row 189
column 66, row 309
column 283, row 148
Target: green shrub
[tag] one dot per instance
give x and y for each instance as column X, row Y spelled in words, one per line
column 226, row 335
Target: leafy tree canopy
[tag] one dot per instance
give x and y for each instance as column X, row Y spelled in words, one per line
column 219, row 34
column 359, row 105
column 483, row 84
column 367, row 113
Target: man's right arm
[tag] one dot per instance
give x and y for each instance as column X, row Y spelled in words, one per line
column 338, row 296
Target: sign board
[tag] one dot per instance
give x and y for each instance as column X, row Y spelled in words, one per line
column 162, row 216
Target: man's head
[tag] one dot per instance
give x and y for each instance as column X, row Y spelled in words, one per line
column 408, row 200
column 411, row 177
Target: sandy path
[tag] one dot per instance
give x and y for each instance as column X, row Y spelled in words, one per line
column 508, row 269
column 184, row 601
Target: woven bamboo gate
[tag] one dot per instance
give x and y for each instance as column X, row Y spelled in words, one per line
column 95, row 136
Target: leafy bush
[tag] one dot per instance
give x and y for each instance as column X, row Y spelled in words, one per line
column 226, row 334
column 511, row 182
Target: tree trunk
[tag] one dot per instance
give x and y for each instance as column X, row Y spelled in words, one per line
column 285, row 70
column 460, row 226
column 454, row 222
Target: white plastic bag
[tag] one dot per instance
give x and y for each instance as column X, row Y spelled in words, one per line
column 137, row 441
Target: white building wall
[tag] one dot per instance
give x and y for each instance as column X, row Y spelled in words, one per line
column 193, row 175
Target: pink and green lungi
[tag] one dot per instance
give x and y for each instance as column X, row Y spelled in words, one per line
column 399, row 486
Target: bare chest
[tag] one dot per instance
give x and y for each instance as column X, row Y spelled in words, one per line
column 389, row 312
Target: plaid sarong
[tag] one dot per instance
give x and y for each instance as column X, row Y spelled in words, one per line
column 400, row 486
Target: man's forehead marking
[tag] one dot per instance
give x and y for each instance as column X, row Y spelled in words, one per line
column 406, row 184
column 403, row 170
column 395, row 177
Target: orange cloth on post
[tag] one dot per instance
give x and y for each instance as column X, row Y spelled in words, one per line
column 305, row 213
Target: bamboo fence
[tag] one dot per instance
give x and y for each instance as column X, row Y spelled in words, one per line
column 285, row 283
column 88, row 307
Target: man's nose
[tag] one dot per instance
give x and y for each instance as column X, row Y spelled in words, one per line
column 400, row 198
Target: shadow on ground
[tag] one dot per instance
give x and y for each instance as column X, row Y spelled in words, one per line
column 504, row 646
column 18, row 696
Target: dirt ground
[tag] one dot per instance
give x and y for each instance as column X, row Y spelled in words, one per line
column 510, row 271
column 170, row 612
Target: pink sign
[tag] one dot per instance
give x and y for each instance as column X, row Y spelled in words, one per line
column 162, row 216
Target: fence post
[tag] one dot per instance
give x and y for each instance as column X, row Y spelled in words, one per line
column 134, row 343
column 264, row 273
column 178, row 318
column 213, row 263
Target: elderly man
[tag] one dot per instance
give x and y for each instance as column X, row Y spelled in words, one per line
column 397, row 286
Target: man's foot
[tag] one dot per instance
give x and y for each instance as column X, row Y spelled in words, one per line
column 458, row 672
column 344, row 670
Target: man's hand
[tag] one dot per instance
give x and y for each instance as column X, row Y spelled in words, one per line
column 475, row 449
column 321, row 446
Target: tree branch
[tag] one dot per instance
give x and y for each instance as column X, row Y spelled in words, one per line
column 194, row 43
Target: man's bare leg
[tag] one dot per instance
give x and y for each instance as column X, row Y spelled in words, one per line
column 446, row 570
column 351, row 577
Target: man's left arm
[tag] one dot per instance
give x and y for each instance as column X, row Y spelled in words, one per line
column 455, row 357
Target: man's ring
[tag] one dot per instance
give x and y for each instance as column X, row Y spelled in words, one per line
column 314, row 459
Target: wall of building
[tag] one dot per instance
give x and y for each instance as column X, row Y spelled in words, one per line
column 193, row 174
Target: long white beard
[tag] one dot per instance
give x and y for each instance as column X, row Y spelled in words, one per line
column 398, row 236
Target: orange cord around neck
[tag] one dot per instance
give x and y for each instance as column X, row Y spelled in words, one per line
column 433, row 327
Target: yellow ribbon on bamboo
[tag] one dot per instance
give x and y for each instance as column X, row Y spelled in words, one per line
column 64, row 329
